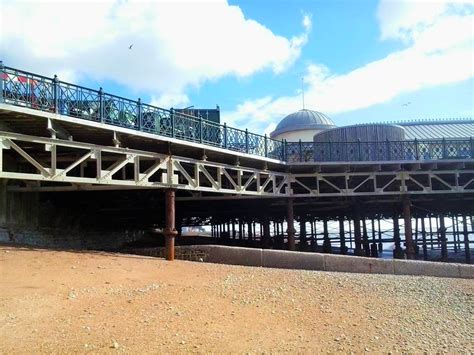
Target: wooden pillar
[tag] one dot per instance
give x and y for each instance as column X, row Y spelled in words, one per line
column 467, row 251
column 358, row 237
column 443, row 240
column 423, row 238
column 234, row 233
column 240, row 229
column 170, row 229
column 342, row 236
column 431, row 232
column 408, row 232
column 290, row 220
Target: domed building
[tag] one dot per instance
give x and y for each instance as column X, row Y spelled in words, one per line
column 303, row 124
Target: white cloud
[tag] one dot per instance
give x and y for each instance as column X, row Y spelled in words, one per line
column 176, row 44
column 178, row 100
column 440, row 50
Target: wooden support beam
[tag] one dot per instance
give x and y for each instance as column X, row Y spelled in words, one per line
column 170, row 228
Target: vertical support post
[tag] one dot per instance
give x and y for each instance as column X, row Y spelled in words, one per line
column 240, row 229
column 300, row 150
column 342, row 236
column 454, row 234
column 444, row 241
column 225, row 135
column 55, row 93
column 200, row 129
column 389, row 155
column 170, row 229
column 172, row 122
column 266, row 232
column 423, row 238
column 398, row 251
column 467, row 251
column 101, row 105
column 2, row 85
column 417, row 153
column 139, row 114
column 290, row 220
column 365, row 237
column 249, row 224
column 233, row 229
column 408, row 231
column 443, row 142
column 283, row 145
column 326, row 241
column 357, row 236
column 266, row 145
column 246, row 140
column 379, row 228
column 302, row 243
column 373, row 247
column 471, row 143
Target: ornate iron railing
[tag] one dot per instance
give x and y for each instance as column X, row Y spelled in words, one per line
column 38, row 92
column 21, row 88
column 435, row 149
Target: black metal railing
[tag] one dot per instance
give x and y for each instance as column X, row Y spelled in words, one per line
column 21, row 88
column 434, row 149
column 38, row 92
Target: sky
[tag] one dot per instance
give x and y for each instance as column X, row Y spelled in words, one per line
column 356, row 61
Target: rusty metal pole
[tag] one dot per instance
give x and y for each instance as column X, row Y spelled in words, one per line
column 408, row 232
column 444, row 241
column 170, row 229
column 467, row 251
column 358, row 237
column 290, row 220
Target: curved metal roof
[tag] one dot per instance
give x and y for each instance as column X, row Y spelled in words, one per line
column 303, row 119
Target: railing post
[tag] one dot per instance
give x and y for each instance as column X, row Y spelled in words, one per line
column 200, row 129
column 359, row 152
column 471, row 142
column 389, row 157
column 139, row 115
column 55, row 93
column 443, row 142
column 417, row 157
column 246, row 140
column 266, row 146
column 283, row 146
column 172, row 122
column 2, row 74
column 225, row 135
column 300, row 147
column 101, row 105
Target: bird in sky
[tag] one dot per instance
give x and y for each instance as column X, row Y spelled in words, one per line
column 406, row 104
column 130, row 47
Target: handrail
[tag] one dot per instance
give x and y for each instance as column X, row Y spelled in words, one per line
column 21, row 88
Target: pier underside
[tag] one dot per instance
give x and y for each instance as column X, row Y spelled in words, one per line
column 59, row 174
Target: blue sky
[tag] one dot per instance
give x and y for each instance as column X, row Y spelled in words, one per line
column 358, row 61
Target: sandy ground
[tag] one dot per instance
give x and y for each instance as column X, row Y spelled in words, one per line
column 56, row 301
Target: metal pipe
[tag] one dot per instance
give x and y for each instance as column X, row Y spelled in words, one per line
column 170, row 229
column 408, row 232
column 290, row 220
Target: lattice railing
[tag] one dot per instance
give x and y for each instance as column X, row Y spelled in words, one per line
column 37, row 92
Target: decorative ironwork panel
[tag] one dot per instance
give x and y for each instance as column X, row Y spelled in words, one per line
column 119, row 111
column 274, row 149
column 212, row 133
column 186, row 127
column 29, row 90
column 155, row 120
column 77, row 101
column 236, row 139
